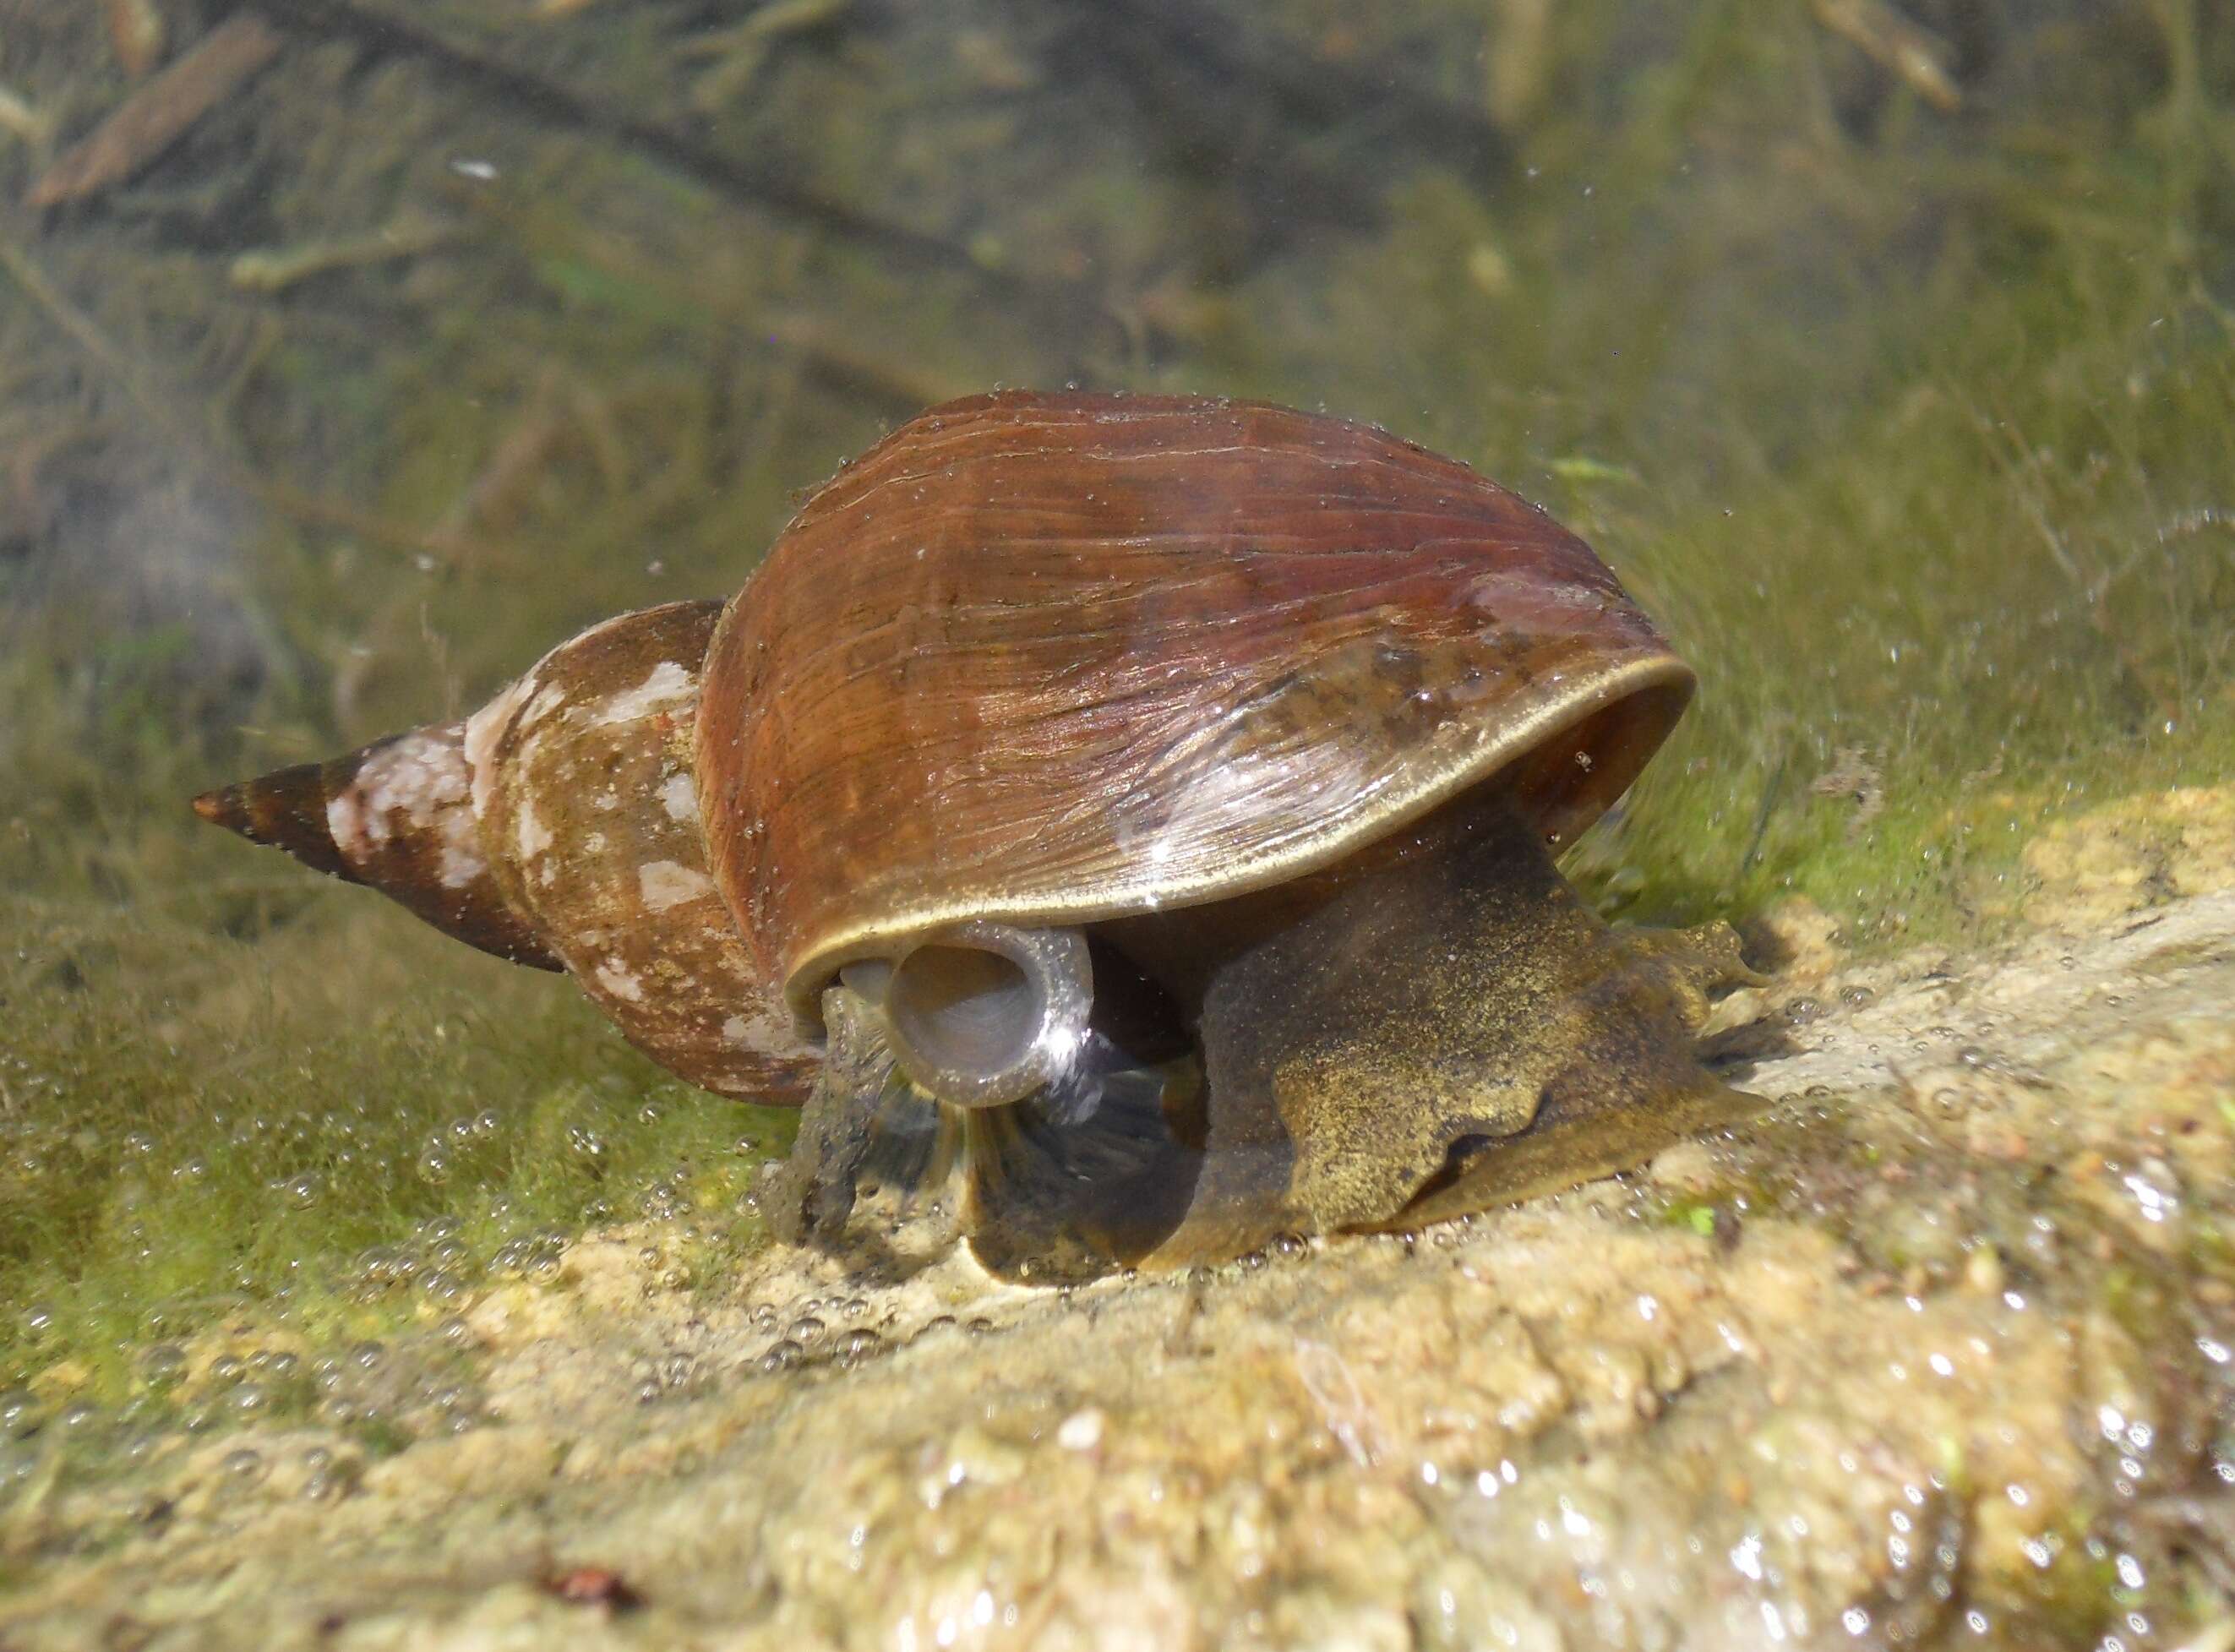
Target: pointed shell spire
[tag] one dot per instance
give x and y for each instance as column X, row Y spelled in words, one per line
column 398, row 817
column 558, row 826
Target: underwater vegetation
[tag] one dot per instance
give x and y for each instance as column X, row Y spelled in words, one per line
column 1901, row 400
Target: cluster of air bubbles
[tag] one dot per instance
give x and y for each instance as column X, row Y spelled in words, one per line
column 814, row 1330
column 409, row 1389
column 535, row 1256
column 443, row 1269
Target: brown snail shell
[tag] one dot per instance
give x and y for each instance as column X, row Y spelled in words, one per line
column 1073, row 657
column 1141, row 801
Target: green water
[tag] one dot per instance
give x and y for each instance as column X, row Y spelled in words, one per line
column 1906, row 402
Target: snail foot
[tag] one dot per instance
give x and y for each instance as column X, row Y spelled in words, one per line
column 1451, row 1030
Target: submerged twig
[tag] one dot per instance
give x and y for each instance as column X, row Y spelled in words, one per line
column 161, row 112
column 273, row 269
column 1769, row 796
column 1911, row 53
column 743, row 49
column 136, row 35
column 32, row 125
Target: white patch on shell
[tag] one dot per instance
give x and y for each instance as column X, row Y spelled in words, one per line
column 551, row 698
column 667, row 683
column 345, row 825
column 668, row 883
column 485, row 730
column 619, row 981
column 679, row 798
column 594, row 843
column 767, row 1029
column 531, row 834
column 416, row 785
column 460, row 867
column 421, row 774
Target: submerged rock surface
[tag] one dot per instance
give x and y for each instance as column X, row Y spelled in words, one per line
column 1936, row 1352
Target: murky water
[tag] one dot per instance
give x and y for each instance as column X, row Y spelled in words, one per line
column 354, row 352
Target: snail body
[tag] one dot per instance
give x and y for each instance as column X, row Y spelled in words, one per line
column 1141, row 806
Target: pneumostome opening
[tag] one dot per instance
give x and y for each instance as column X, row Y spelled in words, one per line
column 984, row 1014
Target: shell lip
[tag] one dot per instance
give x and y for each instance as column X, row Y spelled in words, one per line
column 1658, row 687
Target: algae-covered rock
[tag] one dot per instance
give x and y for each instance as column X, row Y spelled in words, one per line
column 2137, row 853
column 1916, row 1359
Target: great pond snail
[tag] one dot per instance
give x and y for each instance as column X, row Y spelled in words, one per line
column 1140, row 806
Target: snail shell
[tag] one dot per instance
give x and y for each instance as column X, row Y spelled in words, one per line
column 1046, row 659
column 1073, row 794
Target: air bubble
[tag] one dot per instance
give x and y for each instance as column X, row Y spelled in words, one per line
column 19, row 1411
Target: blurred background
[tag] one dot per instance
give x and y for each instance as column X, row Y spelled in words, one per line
column 352, row 352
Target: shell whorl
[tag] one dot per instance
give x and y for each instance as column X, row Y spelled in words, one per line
column 559, row 826
column 584, row 789
column 397, row 817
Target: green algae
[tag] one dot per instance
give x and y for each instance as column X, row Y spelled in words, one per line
column 1915, row 433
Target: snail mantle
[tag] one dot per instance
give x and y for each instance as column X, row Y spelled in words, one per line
column 1140, row 808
